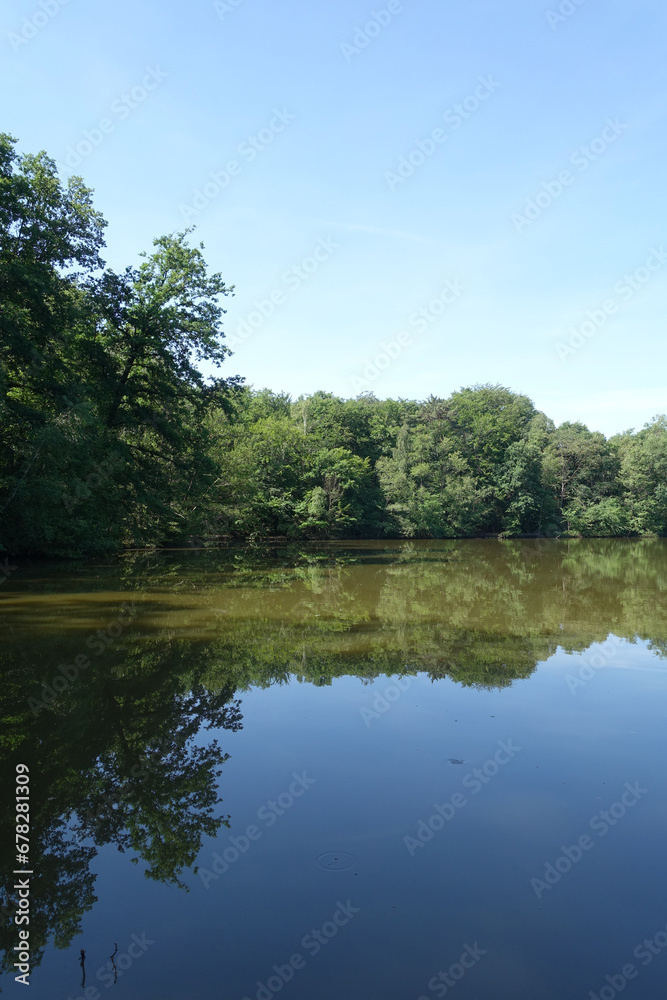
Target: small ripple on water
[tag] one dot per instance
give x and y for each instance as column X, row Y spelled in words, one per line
column 335, row 861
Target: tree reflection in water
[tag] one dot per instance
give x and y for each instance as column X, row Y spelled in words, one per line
column 118, row 757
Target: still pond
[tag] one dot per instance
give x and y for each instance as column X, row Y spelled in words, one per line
column 352, row 771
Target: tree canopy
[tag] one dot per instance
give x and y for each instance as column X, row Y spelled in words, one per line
column 111, row 436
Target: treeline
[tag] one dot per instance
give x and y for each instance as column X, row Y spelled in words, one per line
column 110, row 436
column 482, row 461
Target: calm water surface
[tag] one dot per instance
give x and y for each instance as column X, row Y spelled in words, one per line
column 344, row 772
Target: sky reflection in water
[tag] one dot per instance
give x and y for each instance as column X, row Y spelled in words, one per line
column 431, row 750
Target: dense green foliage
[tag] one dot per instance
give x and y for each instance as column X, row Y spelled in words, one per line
column 110, row 436
column 102, row 406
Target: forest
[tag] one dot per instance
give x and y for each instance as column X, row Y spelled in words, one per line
column 111, row 437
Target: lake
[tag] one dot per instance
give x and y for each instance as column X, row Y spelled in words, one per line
column 358, row 770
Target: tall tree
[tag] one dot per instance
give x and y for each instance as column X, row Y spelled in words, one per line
column 102, row 401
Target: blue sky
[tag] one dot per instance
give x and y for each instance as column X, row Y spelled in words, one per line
column 461, row 193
